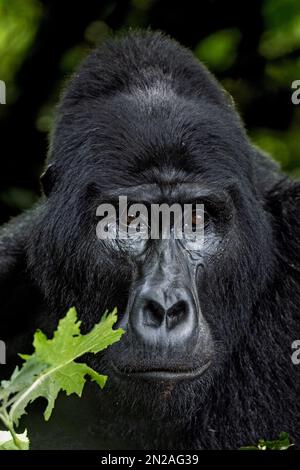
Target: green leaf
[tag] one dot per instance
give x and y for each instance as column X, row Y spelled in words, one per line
column 7, row 442
column 53, row 368
column 282, row 443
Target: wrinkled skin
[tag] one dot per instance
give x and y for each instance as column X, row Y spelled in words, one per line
column 206, row 358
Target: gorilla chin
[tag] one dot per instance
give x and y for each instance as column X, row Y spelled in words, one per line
column 178, row 393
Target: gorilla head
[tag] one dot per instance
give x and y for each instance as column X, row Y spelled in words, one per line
column 142, row 118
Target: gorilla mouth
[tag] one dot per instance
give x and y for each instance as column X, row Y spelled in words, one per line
column 161, row 373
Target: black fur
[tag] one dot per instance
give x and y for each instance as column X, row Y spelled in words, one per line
column 111, row 131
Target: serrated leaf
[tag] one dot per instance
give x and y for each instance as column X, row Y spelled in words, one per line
column 52, row 367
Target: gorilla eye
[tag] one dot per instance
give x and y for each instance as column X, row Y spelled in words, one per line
column 196, row 218
column 199, row 218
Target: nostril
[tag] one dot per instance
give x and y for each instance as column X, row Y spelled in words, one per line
column 177, row 309
column 153, row 313
column 177, row 313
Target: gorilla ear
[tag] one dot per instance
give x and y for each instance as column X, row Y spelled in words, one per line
column 48, row 179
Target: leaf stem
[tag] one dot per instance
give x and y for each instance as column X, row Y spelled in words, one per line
column 5, row 418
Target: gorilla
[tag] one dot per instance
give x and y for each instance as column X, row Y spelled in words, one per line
column 205, row 362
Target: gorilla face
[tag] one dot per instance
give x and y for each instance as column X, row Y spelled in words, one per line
column 184, row 307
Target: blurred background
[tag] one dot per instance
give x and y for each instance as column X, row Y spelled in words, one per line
column 253, row 47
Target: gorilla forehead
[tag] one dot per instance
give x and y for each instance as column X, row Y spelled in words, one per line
column 153, row 130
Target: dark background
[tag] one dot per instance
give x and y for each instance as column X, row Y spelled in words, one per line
column 253, row 47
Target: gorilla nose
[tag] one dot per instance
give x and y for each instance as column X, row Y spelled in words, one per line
column 155, row 314
column 159, row 317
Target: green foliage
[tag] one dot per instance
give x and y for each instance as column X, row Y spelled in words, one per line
column 18, row 25
column 218, row 51
column 282, row 33
column 282, row 145
column 18, row 442
column 282, row 443
column 51, row 369
column 20, row 198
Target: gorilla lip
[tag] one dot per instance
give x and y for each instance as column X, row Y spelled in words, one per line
column 162, row 374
